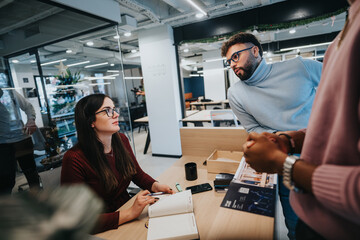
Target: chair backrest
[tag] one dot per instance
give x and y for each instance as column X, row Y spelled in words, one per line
column 222, row 115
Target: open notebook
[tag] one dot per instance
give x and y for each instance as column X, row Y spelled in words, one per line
column 172, row 217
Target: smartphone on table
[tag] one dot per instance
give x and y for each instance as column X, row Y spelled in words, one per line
column 200, row 188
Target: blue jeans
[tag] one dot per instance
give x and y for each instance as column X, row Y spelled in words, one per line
column 289, row 214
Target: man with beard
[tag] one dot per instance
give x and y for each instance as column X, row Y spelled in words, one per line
column 271, row 97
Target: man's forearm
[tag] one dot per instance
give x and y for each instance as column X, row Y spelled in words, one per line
column 298, row 137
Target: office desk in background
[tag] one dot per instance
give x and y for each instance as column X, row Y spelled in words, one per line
column 204, row 116
column 213, row 221
column 203, row 105
column 146, row 120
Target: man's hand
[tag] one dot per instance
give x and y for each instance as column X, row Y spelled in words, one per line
column 30, row 127
column 263, row 153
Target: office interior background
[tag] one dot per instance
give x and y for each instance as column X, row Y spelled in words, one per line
column 56, row 52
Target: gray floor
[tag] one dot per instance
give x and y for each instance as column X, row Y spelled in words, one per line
column 154, row 166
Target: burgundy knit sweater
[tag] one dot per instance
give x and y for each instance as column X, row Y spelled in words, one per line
column 76, row 169
column 333, row 142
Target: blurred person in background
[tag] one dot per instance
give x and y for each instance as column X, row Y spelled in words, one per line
column 16, row 142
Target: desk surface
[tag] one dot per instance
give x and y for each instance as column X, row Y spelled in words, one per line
column 146, row 119
column 207, row 103
column 204, row 116
column 213, row 221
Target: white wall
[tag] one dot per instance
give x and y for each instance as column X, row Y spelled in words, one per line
column 214, row 77
column 158, row 63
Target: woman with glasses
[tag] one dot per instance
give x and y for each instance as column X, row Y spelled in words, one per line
column 103, row 160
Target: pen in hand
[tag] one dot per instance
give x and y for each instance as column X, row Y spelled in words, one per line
column 155, row 194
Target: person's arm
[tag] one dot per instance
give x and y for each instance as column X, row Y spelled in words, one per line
column 141, row 178
column 297, row 136
column 338, row 187
column 246, row 120
column 314, row 69
column 27, row 107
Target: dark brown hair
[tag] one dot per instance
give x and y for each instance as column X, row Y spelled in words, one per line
column 92, row 147
column 241, row 37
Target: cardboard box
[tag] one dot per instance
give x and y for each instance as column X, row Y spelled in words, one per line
column 224, row 161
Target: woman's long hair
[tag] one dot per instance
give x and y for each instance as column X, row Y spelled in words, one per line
column 93, row 148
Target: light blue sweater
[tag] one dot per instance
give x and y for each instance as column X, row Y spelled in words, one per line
column 277, row 97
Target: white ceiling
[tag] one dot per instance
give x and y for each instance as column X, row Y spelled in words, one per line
column 30, row 18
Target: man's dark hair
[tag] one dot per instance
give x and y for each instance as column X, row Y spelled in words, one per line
column 241, row 37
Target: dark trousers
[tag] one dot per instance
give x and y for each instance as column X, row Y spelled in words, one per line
column 21, row 151
column 304, row 232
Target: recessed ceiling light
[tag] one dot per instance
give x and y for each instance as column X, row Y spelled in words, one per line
column 96, row 65
column 186, row 50
column 33, row 61
column 69, row 51
column 90, row 43
column 127, row 34
column 133, row 50
column 117, row 37
column 48, row 63
column 78, row 63
column 15, row 61
column 199, row 15
column 292, row 31
column 112, row 64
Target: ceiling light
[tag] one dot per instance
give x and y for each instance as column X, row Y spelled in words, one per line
column 133, row 50
column 15, row 61
column 306, row 46
column 90, row 43
column 214, row 59
column 79, row 63
column 96, row 65
column 96, row 84
column 48, row 63
column 127, row 34
column 315, row 57
column 194, row 75
column 186, row 50
column 116, row 36
column 102, row 77
column 69, row 51
column 33, row 61
column 112, row 64
column 292, row 31
column 113, row 71
column 131, row 78
column 199, row 15
column 197, row 7
column 200, row 71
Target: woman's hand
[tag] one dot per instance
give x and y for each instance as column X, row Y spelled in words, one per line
column 263, row 154
column 157, row 187
column 141, row 201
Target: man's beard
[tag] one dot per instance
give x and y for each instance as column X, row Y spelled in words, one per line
column 248, row 70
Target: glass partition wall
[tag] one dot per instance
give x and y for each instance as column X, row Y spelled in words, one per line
column 53, row 78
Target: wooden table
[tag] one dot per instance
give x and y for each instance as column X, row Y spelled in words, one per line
column 213, row 221
column 146, row 120
column 202, row 105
